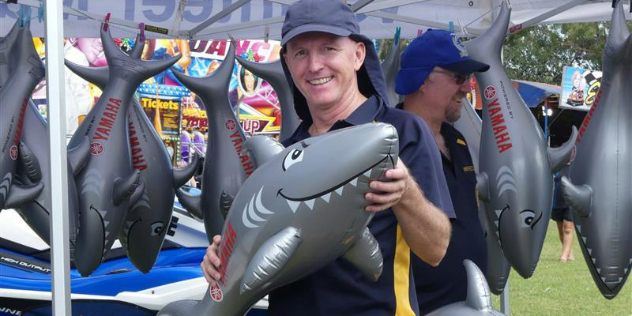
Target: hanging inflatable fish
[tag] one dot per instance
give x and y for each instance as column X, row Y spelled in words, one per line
column 33, row 164
column 290, row 209
column 390, row 67
column 478, row 302
column 515, row 180
column 225, row 168
column 148, row 221
column 274, row 75
column 600, row 184
column 470, row 125
column 20, row 60
column 108, row 184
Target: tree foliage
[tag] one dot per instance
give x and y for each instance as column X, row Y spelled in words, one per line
column 539, row 53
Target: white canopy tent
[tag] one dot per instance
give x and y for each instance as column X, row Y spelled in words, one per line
column 240, row 19
column 257, row 19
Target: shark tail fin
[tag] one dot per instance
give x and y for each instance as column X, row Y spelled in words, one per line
column 192, row 203
column 212, row 83
column 560, row 156
column 182, row 175
column 96, row 75
column 578, row 197
column 270, row 258
column 78, row 156
column 365, row 255
column 125, row 187
column 30, row 164
column 478, row 294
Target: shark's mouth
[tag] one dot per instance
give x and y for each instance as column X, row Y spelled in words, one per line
column 294, row 202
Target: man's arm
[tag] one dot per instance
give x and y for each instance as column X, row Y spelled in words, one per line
column 426, row 228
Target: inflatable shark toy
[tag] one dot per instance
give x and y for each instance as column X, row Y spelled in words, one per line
column 515, row 180
column 290, row 209
column 390, row 67
column 600, row 185
column 478, row 302
column 470, row 125
column 108, row 184
column 33, row 164
column 225, row 168
column 20, row 62
column 148, row 220
column 274, row 75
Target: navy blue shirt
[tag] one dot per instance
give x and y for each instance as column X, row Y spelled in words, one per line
column 447, row 283
column 340, row 288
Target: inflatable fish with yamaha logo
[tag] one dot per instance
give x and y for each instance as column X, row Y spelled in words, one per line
column 600, row 183
column 515, row 180
column 148, row 219
column 116, row 287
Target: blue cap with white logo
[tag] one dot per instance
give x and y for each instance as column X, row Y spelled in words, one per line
column 435, row 48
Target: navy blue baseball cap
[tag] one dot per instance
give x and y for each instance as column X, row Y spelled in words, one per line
column 435, row 48
column 327, row 16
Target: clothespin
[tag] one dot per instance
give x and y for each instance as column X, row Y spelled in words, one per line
column 107, row 20
column 398, row 31
column 267, row 34
column 141, row 26
column 40, row 12
column 419, row 32
column 451, row 27
column 24, row 15
column 463, row 28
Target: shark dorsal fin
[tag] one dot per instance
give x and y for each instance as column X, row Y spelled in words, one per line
column 478, row 294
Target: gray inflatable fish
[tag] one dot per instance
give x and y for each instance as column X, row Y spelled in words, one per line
column 470, row 125
column 108, row 184
column 390, row 67
column 148, row 220
column 478, row 302
column 600, row 185
column 19, row 59
column 225, row 167
column 515, row 180
column 274, row 75
column 292, row 208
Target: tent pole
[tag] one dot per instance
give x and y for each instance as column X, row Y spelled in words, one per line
column 504, row 300
column 60, row 253
column 545, row 15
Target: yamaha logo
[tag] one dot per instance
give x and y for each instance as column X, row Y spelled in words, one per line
column 96, row 148
column 230, row 124
column 216, row 293
column 13, row 152
column 490, row 92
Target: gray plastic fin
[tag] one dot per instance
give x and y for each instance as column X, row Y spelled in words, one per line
column 560, row 156
column 125, row 187
column 482, row 186
column 270, row 258
column 29, row 164
column 192, row 203
column 478, row 294
column 579, row 198
column 20, row 194
column 182, row 175
column 365, row 255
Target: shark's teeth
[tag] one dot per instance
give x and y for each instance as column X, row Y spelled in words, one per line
column 496, row 223
column 589, row 251
column 594, row 260
column 603, row 279
column 339, row 190
column 630, row 261
column 498, row 212
column 620, row 279
column 293, row 205
column 326, row 197
column 579, row 228
column 625, row 271
column 599, row 270
column 584, row 239
column 354, row 182
column 310, row 204
column 367, row 173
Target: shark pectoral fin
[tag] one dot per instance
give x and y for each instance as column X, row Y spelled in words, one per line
column 78, row 156
column 270, row 258
column 261, row 148
column 482, row 186
column 478, row 294
column 138, row 193
column 182, row 175
column 560, row 156
column 192, row 203
column 29, row 164
column 365, row 255
column 19, row 195
column 125, row 187
column 579, row 198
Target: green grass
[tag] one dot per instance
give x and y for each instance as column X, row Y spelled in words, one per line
column 562, row 288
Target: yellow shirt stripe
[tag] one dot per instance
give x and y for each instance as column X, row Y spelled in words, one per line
column 401, row 276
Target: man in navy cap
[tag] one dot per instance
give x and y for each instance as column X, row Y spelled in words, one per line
column 337, row 82
column 434, row 76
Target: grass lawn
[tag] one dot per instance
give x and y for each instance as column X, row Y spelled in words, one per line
column 562, row 288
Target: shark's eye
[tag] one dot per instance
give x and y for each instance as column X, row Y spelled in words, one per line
column 292, row 157
column 527, row 217
column 156, row 228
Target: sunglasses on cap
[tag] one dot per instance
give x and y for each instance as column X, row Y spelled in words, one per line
column 459, row 78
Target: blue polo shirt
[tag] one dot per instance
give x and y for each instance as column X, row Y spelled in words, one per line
column 447, row 283
column 340, row 288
